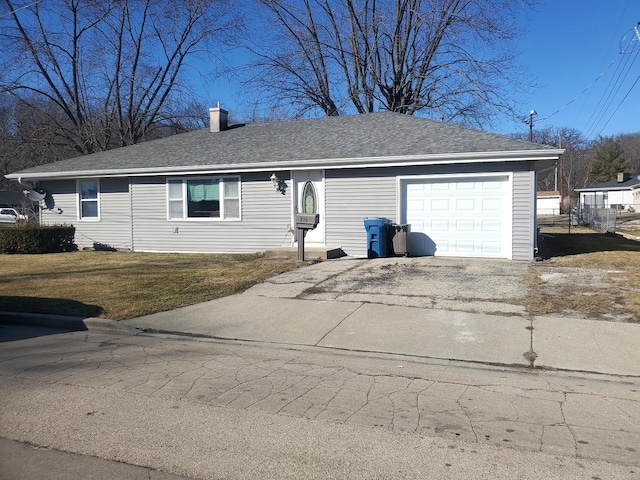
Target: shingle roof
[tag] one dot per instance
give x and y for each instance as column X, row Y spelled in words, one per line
column 372, row 135
column 612, row 185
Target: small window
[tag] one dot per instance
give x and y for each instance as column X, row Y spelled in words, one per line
column 203, row 198
column 89, row 199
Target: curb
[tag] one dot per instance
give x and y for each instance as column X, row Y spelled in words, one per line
column 68, row 322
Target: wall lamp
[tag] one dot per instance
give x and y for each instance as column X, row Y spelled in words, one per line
column 278, row 185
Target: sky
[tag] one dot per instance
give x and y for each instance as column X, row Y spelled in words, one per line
column 581, row 54
column 572, row 50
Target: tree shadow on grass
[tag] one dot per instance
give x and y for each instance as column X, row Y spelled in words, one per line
column 48, row 306
column 565, row 244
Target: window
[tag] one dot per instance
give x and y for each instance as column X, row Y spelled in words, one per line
column 89, row 192
column 309, row 199
column 203, row 198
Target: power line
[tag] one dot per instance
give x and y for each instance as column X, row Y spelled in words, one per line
column 628, row 92
column 20, row 8
column 612, row 89
column 610, row 93
column 602, row 74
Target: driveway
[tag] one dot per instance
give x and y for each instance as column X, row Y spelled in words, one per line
column 462, row 284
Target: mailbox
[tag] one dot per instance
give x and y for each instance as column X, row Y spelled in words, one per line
column 307, row 221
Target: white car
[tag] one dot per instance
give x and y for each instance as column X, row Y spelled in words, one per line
column 11, row 215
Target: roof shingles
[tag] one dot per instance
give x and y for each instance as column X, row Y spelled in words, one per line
column 373, row 135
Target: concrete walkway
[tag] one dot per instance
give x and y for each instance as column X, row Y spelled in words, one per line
column 410, row 307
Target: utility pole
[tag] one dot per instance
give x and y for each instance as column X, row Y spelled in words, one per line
column 532, row 113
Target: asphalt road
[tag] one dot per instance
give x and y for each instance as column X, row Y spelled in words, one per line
column 159, row 406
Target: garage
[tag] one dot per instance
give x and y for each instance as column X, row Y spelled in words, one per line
column 457, row 216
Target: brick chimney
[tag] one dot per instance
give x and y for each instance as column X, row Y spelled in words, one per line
column 623, row 177
column 218, row 119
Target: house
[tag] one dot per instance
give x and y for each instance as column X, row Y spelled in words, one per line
column 10, row 199
column 548, row 202
column 236, row 188
column 623, row 193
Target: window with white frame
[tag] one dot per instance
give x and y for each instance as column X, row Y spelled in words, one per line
column 89, row 199
column 203, row 198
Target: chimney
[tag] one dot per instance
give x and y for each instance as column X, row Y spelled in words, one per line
column 623, row 177
column 218, row 119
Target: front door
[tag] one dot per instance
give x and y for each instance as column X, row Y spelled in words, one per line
column 309, row 198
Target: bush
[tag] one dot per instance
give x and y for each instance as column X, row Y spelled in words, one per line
column 31, row 238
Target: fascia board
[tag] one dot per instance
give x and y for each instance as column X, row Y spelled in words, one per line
column 327, row 164
column 605, row 189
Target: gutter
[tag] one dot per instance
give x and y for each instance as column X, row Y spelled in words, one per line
column 327, row 164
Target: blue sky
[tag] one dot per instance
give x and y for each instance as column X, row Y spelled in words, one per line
column 572, row 50
column 569, row 45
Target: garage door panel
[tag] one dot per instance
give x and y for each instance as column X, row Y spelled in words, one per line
column 491, row 226
column 465, row 225
column 466, row 204
column 439, row 205
column 459, row 216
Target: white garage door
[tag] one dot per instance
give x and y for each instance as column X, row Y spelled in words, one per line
column 459, row 217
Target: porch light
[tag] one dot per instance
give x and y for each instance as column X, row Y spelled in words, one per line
column 278, row 185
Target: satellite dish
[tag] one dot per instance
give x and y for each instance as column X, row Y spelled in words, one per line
column 36, row 194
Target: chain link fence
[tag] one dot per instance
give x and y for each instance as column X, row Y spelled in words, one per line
column 599, row 219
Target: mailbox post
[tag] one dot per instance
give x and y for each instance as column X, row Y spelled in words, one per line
column 304, row 222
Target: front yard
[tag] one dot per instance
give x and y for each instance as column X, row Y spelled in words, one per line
column 122, row 285
column 586, row 274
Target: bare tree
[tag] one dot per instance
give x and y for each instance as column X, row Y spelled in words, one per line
column 28, row 137
column 575, row 163
column 449, row 59
column 106, row 73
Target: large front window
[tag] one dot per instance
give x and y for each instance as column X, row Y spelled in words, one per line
column 204, row 197
column 89, row 207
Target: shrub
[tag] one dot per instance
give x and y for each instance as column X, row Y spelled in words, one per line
column 32, row 238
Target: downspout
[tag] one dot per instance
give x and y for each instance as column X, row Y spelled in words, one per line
column 131, row 214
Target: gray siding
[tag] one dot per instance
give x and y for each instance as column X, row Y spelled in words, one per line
column 355, row 194
column 114, row 226
column 524, row 200
column 138, row 211
column 265, row 217
column 350, row 197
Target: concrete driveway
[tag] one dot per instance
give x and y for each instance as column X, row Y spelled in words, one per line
column 440, row 308
column 461, row 284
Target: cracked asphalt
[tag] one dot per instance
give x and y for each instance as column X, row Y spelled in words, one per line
column 215, row 409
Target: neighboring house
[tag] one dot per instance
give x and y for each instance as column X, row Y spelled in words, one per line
column 548, row 203
column 11, row 199
column 622, row 193
column 237, row 188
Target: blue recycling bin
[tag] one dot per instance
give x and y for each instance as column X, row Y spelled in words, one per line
column 377, row 237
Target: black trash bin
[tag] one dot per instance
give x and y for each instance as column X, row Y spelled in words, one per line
column 400, row 239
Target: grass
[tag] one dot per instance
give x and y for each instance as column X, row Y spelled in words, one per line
column 600, row 275
column 599, row 278
column 122, row 285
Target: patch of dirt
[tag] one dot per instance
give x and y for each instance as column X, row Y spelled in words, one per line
column 586, row 275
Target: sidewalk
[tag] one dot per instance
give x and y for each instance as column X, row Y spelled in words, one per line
column 559, row 343
column 360, row 306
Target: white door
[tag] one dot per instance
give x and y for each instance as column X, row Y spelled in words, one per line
column 459, row 216
column 303, row 201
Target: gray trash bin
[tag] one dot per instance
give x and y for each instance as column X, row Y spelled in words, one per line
column 400, row 238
